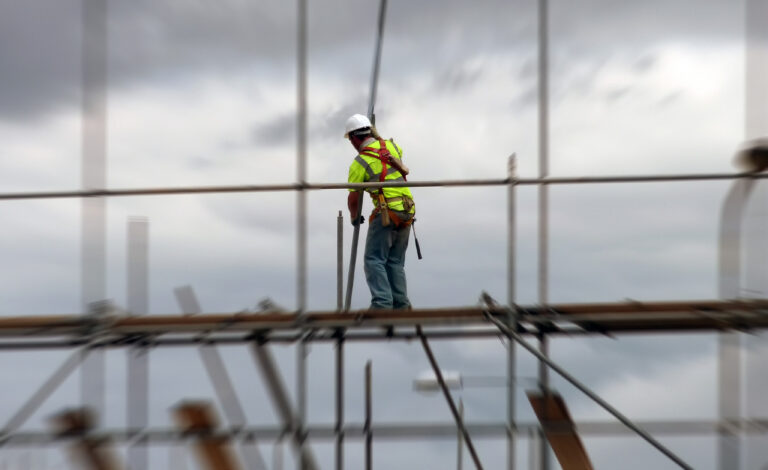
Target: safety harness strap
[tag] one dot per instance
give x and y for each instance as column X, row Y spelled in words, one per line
column 381, row 153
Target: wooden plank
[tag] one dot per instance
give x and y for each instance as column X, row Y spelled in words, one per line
column 215, row 453
column 560, row 430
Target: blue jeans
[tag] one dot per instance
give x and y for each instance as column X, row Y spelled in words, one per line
column 384, row 263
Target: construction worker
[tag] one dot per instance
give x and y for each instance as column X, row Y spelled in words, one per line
column 390, row 222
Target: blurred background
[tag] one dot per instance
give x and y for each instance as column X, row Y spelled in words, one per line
column 196, row 93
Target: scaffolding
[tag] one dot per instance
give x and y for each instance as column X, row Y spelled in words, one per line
column 106, row 326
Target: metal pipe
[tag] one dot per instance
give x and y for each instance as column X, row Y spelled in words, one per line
column 625, row 316
column 449, row 399
column 377, row 61
column 137, row 287
column 279, row 395
column 303, row 462
column 511, row 280
column 388, row 184
column 220, row 380
column 368, row 419
column 46, row 389
column 353, row 256
column 729, row 359
column 584, row 389
column 229, row 401
column 543, row 200
column 340, row 262
column 301, row 401
column 94, row 177
column 301, row 158
column 167, row 191
column 459, row 440
column 392, row 432
column 339, row 429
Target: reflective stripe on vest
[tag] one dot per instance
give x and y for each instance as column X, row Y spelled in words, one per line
column 368, row 158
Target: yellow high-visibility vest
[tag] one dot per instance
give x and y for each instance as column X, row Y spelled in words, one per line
column 367, row 167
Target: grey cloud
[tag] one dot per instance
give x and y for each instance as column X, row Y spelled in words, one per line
column 671, row 98
column 526, row 98
column 326, row 123
column 458, row 78
column 617, row 93
column 165, row 40
column 278, row 131
column 39, row 56
column 645, row 63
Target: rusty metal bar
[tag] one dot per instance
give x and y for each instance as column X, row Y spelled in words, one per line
column 559, row 429
column 449, row 399
column 213, row 451
column 605, row 317
column 90, row 451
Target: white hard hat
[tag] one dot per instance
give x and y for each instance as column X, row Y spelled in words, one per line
column 357, row 121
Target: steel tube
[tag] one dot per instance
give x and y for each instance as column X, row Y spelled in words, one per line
column 511, row 280
column 377, row 60
column 449, row 399
column 543, row 200
column 340, row 262
column 303, row 462
column 368, row 418
column 167, row 191
column 137, row 287
column 592, row 395
column 280, row 399
column 706, row 315
column 46, row 389
column 339, row 428
column 391, row 432
column 94, row 177
column 729, row 345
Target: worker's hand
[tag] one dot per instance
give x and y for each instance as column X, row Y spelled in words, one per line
column 359, row 221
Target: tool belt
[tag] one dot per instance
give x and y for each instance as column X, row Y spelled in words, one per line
column 388, row 215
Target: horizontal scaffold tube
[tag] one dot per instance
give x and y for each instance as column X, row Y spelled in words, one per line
column 249, row 188
column 599, row 318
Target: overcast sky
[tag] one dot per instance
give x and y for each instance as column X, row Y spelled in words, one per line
column 204, row 93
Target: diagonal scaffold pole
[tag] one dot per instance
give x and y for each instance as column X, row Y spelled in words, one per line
column 454, row 410
column 221, row 382
column 372, row 118
column 513, row 335
column 46, row 389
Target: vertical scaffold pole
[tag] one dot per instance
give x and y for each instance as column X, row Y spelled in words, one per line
column 511, row 356
column 543, row 199
column 368, row 418
column 301, row 283
column 339, row 345
column 138, row 355
column 94, row 177
column 340, row 262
